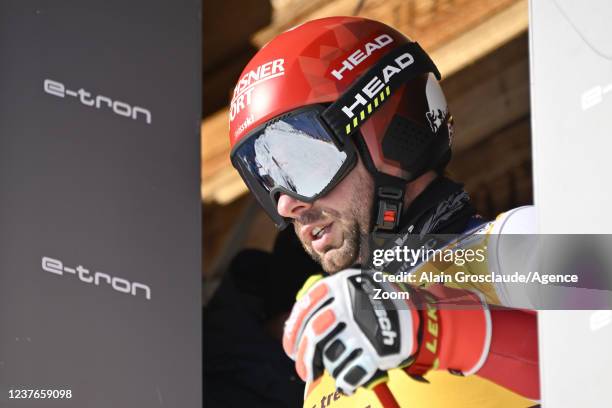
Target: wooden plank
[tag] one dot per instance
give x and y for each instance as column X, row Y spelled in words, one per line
column 474, row 27
column 227, row 27
column 226, row 30
column 473, row 44
column 434, row 23
column 218, row 83
column 215, row 137
column 223, row 188
column 220, row 181
column 494, row 156
column 490, row 106
column 289, row 13
column 497, row 172
column 489, row 94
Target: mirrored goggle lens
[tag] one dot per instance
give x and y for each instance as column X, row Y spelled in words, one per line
column 294, row 153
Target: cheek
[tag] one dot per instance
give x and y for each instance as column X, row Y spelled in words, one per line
column 355, row 184
column 352, row 195
column 336, row 199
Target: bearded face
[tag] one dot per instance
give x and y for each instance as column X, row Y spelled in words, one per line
column 334, row 229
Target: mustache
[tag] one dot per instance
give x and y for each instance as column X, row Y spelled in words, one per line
column 313, row 215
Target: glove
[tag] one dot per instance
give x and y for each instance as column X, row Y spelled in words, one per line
column 340, row 325
column 357, row 328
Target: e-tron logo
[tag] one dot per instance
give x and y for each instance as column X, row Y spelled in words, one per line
column 99, row 101
column 119, row 284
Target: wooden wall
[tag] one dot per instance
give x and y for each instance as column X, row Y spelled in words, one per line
column 492, row 151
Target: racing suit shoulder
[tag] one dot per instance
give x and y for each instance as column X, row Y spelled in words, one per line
column 511, row 249
column 495, row 255
column 520, row 220
column 508, row 245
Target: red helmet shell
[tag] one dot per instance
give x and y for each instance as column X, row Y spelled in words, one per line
column 315, row 62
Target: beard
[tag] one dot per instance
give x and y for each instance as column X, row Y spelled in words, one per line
column 354, row 223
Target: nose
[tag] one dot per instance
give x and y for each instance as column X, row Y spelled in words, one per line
column 290, row 207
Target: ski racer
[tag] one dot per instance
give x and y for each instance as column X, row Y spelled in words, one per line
column 339, row 126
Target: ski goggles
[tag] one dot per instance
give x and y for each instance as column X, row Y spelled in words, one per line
column 295, row 154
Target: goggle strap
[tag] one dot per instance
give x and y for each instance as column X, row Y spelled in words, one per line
column 375, row 87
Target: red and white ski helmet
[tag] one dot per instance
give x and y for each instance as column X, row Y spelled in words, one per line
column 382, row 90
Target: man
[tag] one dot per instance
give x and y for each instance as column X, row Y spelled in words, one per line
column 339, row 126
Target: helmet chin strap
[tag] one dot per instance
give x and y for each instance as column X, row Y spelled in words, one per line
column 388, row 198
column 388, row 203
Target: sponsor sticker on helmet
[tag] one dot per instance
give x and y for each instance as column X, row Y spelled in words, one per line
column 244, row 88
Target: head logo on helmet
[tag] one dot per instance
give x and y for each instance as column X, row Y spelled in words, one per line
column 359, row 55
column 375, row 85
column 337, row 86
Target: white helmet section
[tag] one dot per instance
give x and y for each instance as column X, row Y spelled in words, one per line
column 436, row 102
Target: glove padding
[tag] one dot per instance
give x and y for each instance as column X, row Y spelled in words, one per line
column 351, row 326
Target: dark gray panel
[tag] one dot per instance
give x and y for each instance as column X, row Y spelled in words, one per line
column 89, row 187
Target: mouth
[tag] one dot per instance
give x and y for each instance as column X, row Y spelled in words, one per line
column 318, row 237
column 317, row 232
